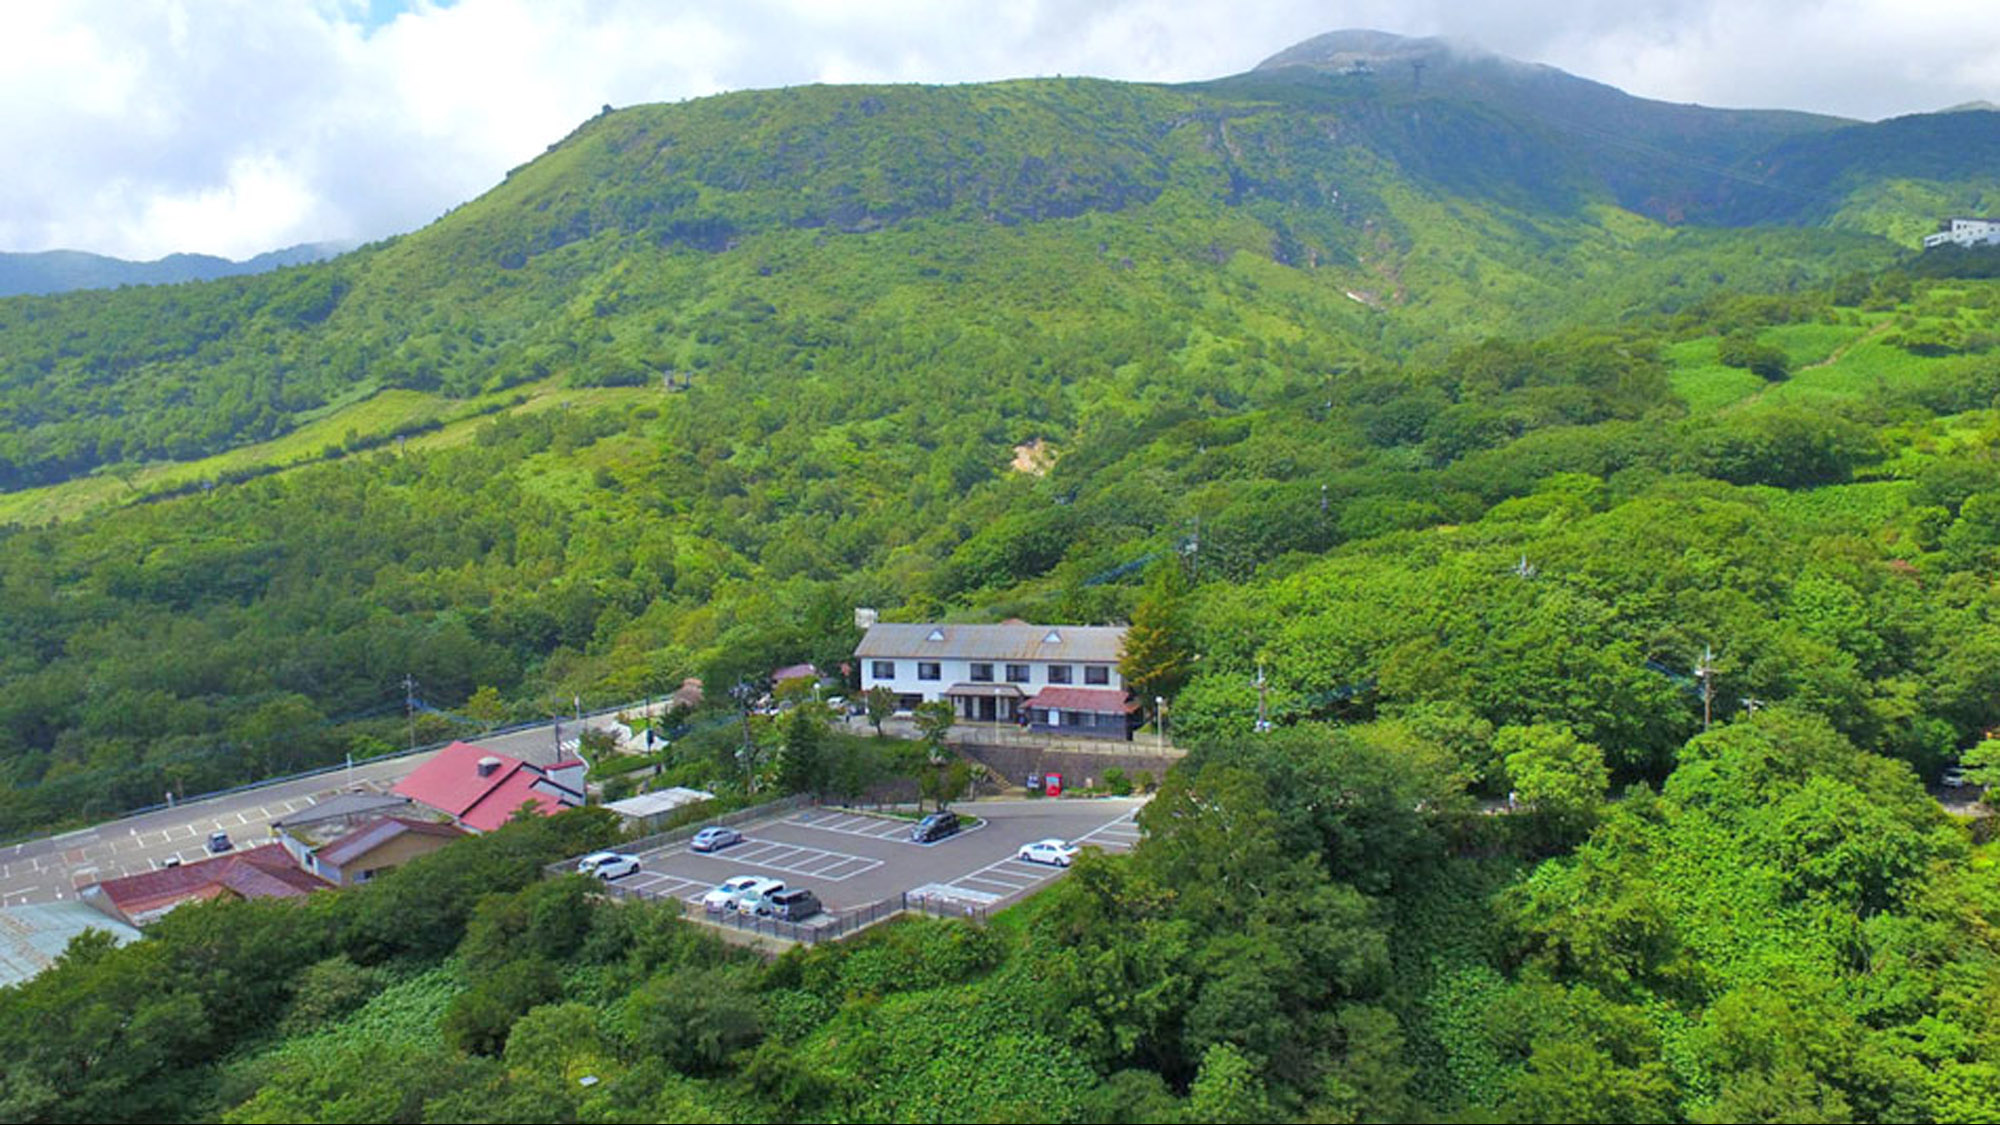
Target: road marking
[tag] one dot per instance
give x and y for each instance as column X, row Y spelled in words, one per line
column 941, row 892
column 851, row 824
column 1121, row 834
column 792, row 859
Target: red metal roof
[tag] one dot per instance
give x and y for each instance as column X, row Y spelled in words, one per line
column 261, row 872
column 450, row 783
column 499, row 806
column 1103, row 701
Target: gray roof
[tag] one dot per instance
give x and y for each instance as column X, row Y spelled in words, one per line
column 1094, row 644
column 344, row 806
column 32, row 937
column 658, row 802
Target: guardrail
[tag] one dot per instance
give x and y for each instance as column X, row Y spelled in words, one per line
column 828, row 926
column 301, row 775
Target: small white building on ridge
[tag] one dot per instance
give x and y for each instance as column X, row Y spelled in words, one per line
column 1057, row 678
column 1964, row 232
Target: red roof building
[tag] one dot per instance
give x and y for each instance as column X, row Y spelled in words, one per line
column 1083, row 712
column 481, row 790
column 261, row 872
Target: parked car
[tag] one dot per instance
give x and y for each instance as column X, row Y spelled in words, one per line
column 608, row 865
column 934, row 827
column 793, row 905
column 725, row 894
column 1051, row 851
column 754, row 896
column 218, row 842
column 1953, row 778
column 714, row 838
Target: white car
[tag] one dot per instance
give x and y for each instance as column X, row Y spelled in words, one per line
column 755, row 896
column 608, row 865
column 729, row 892
column 1050, row 851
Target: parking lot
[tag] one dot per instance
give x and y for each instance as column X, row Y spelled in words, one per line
column 852, row 859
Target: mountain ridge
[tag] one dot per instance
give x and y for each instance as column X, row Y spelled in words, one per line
column 44, row 272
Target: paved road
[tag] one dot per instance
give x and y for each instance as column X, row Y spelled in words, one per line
column 51, row 868
column 854, row 859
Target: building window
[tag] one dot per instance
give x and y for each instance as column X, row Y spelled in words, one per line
column 883, row 669
column 982, row 673
column 1017, row 673
column 1059, row 674
column 907, row 703
column 929, row 670
column 1097, row 673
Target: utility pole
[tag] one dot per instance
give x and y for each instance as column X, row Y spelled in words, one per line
column 1705, row 672
column 410, row 706
column 743, row 693
column 1263, row 710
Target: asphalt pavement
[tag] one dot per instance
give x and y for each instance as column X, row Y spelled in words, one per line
column 50, row 868
column 852, row 859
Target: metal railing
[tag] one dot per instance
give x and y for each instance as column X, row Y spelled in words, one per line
column 827, row 926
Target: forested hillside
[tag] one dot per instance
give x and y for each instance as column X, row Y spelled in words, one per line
column 1392, row 409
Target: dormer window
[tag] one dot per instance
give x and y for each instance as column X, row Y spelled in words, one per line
column 1054, row 638
column 936, row 635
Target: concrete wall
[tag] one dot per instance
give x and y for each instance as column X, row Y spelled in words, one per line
column 1077, row 766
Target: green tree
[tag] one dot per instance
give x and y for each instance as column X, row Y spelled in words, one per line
column 934, row 722
column 802, row 761
column 486, row 707
column 881, row 704
column 1560, row 779
column 1157, row 656
column 1228, row 1090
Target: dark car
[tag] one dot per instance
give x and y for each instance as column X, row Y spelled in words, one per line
column 794, row 905
column 218, row 842
column 936, row 826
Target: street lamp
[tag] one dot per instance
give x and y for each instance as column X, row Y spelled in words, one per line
column 1160, row 722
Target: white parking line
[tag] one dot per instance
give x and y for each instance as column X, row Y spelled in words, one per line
column 1123, row 833
column 851, row 824
column 654, row 883
column 796, row 859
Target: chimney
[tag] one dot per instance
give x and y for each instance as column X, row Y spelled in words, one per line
column 487, row 765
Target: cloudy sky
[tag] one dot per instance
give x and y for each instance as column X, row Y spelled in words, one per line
column 142, row 127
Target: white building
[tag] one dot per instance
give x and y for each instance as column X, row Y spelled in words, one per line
column 1964, row 232
column 1059, row 678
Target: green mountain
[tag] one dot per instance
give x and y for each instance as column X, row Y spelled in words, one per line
column 58, row 271
column 1403, row 218
column 1452, row 422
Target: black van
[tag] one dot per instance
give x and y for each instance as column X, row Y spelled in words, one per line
column 936, row 826
column 794, row 905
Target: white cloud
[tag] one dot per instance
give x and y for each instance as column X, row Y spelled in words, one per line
column 235, row 126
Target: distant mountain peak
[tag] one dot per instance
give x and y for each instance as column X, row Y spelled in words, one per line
column 1979, row 106
column 1338, row 50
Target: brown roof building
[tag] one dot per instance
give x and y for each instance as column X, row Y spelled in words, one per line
column 261, row 872
column 377, row 846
